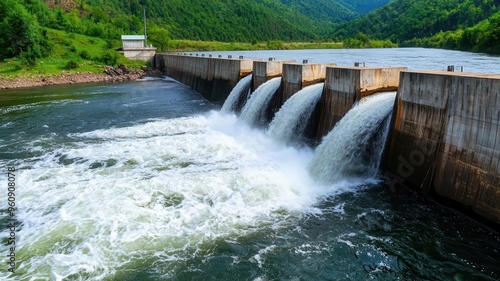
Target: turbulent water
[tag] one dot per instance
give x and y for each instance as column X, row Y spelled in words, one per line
column 253, row 111
column 291, row 120
column 147, row 181
column 234, row 97
column 160, row 192
column 354, row 147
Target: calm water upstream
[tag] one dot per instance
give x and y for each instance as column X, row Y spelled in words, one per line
column 146, row 180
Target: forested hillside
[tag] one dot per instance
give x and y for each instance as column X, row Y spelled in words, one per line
column 221, row 20
column 363, row 6
column 34, row 29
column 241, row 21
column 27, row 23
column 335, row 11
column 244, row 20
column 466, row 24
column 482, row 37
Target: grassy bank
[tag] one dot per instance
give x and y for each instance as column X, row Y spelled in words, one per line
column 188, row 45
column 70, row 53
column 75, row 53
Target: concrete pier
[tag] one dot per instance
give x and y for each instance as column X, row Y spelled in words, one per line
column 344, row 86
column 213, row 78
column 266, row 70
column 295, row 77
column 299, row 75
column 446, row 137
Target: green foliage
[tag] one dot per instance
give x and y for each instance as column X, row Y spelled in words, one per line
column 253, row 21
column 483, row 37
column 364, row 41
column 351, row 43
column 72, row 64
column 110, row 57
column 227, row 21
column 275, row 45
column 84, row 54
column 87, row 57
column 407, row 19
column 455, row 24
column 22, row 35
column 382, row 44
column 158, row 37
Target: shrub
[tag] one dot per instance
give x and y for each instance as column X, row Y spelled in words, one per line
column 21, row 34
column 110, row 57
column 84, row 54
column 275, row 45
column 72, row 64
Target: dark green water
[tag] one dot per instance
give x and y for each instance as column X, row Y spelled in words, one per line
column 145, row 181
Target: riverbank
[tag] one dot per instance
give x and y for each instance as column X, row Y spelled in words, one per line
column 110, row 74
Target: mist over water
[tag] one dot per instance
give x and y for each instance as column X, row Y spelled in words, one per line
column 146, row 180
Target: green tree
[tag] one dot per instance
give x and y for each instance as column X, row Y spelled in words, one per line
column 158, row 37
column 364, row 39
column 22, row 35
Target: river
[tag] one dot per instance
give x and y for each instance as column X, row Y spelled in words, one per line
column 147, row 180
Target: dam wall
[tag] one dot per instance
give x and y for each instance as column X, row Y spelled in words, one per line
column 445, row 138
column 344, row 86
column 213, row 78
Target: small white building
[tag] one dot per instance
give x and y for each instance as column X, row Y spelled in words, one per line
column 134, row 47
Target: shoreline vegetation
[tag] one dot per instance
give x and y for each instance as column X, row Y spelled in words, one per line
column 83, row 62
column 117, row 74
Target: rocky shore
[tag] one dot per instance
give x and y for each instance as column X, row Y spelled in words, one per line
column 110, row 74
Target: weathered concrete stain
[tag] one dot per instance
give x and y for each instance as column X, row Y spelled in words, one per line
column 446, row 137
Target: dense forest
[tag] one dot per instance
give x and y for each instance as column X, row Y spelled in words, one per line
column 471, row 25
column 29, row 26
column 28, row 23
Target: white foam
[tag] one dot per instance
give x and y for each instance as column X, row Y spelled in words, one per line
column 164, row 189
column 253, row 110
column 291, row 120
column 353, row 148
column 235, row 94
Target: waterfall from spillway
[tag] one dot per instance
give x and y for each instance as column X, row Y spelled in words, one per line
column 243, row 87
column 254, row 110
column 291, row 120
column 354, row 147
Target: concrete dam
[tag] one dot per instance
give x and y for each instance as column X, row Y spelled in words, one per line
column 435, row 131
